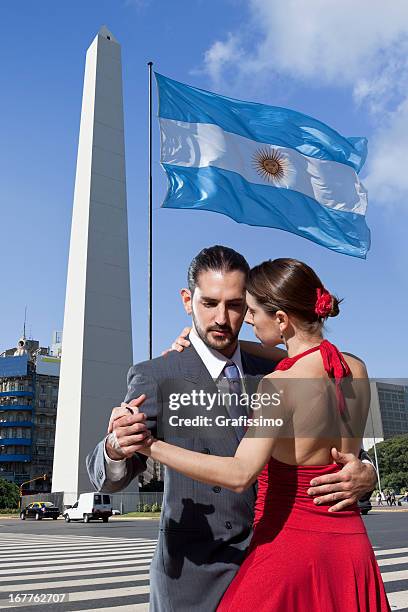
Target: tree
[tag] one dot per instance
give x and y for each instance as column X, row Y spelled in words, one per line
column 393, row 462
column 9, row 494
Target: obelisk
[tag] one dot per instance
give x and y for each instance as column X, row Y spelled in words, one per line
column 97, row 335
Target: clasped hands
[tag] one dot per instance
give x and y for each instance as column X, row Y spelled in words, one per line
column 130, row 434
column 343, row 489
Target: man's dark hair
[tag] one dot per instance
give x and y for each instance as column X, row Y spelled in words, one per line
column 217, row 258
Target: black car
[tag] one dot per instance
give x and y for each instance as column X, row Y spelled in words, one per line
column 40, row 510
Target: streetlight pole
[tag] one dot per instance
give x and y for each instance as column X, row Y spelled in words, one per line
column 42, row 477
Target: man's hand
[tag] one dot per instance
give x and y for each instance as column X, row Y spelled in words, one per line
column 180, row 342
column 129, row 429
column 345, row 487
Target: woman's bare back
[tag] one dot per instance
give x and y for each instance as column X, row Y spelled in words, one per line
column 313, row 423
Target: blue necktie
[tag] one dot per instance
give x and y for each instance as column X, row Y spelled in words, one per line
column 231, row 373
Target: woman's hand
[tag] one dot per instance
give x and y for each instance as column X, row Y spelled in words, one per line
column 180, row 342
column 147, row 449
column 127, row 432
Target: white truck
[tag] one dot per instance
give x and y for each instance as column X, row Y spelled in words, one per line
column 89, row 507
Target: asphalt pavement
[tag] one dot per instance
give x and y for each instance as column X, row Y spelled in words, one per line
column 98, row 566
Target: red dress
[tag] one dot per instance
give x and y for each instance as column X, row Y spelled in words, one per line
column 303, row 558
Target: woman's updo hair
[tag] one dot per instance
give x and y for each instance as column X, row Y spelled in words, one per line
column 292, row 286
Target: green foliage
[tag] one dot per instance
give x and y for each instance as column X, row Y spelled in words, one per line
column 156, row 508
column 393, row 462
column 9, row 494
column 147, row 508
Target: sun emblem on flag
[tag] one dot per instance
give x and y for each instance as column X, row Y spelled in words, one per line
column 271, row 164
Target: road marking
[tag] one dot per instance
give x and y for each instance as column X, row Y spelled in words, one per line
column 70, row 547
column 392, row 561
column 132, row 608
column 394, row 576
column 52, row 562
column 74, row 572
column 76, row 561
column 93, row 595
column 398, row 600
column 96, row 565
column 61, row 584
column 79, row 554
column 391, row 551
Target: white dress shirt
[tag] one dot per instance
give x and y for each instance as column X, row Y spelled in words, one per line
column 213, row 361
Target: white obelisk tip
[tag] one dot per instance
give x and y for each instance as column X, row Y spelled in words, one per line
column 107, row 34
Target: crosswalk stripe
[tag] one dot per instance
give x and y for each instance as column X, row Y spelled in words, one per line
column 84, row 568
column 82, row 546
column 6, row 565
column 40, row 540
column 99, row 568
column 391, row 551
column 91, row 595
column 394, row 576
column 398, row 600
column 74, row 572
column 80, row 552
column 43, row 586
column 132, row 608
column 72, row 550
column 75, row 534
column 95, row 565
column 392, row 561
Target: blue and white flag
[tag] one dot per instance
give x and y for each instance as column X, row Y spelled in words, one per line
column 263, row 165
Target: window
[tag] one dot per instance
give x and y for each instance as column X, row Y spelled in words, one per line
column 97, row 499
column 106, row 499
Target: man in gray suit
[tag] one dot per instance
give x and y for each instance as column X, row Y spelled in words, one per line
column 204, row 531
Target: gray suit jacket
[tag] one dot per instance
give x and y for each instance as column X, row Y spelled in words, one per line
column 204, row 531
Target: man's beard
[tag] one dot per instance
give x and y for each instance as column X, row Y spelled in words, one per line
column 217, row 344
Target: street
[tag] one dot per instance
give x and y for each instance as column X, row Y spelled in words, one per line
column 105, row 566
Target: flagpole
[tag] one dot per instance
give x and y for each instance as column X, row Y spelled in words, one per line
column 150, row 227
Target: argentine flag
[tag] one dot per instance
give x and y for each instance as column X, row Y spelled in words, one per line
column 263, row 165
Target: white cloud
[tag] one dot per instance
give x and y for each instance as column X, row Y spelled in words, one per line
column 344, row 43
column 362, row 46
column 220, row 55
column 387, row 180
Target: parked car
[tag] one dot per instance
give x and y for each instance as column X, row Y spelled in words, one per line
column 89, row 507
column 40, row 510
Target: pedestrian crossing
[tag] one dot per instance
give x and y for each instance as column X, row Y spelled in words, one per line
column 393, row 563
column 94, row 573
column 112, row 574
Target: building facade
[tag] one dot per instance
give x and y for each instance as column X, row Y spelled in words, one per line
column 388, row 415
column 29, row 381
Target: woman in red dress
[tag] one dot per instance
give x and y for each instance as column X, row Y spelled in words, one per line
column 302, row 557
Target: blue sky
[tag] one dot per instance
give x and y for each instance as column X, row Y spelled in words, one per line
column 306, row 56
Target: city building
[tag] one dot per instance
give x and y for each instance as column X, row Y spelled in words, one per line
column 388, row 416
column 29, row 380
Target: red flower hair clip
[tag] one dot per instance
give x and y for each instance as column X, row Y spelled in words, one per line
column 324, row 303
